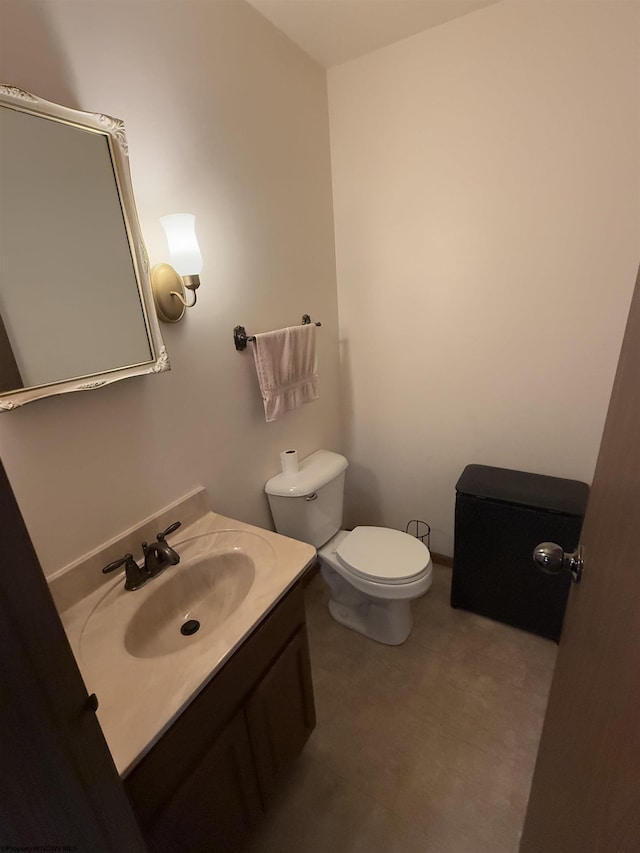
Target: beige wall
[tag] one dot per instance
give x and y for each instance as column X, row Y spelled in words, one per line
column 487, row 200
column 487, row 207
column 228, row 120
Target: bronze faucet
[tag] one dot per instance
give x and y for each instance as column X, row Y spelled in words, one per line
column 160, row 554
column 157, row 557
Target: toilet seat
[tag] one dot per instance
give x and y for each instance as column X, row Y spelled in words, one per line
column 383, row 555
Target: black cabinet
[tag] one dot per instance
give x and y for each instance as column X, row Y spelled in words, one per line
column 501, row 515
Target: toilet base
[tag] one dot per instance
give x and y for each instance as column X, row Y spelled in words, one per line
column 387, row 621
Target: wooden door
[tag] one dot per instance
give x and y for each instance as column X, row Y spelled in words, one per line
column 59, row 788
column 10, row 378
column 585, row 795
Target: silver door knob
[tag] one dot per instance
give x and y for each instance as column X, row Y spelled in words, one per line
column 550, row 558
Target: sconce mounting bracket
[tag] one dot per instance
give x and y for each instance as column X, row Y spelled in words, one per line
column 166, row 283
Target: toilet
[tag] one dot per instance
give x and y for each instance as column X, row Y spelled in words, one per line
column 373, row 573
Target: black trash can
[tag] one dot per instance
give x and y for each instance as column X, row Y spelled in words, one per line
column 501, row 515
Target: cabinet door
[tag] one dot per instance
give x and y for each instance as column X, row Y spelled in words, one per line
column 281, row 713
column 217, row 804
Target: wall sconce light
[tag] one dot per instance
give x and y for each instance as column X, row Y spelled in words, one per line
column 169, row 282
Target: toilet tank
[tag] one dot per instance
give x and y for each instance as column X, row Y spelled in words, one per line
column 308, row 505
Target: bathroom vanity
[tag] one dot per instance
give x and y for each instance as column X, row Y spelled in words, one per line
column 203, row 725
column 209, row 779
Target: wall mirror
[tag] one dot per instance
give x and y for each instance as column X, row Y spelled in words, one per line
column 76, row 310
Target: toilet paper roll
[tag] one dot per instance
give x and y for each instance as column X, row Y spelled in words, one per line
column 289, row 461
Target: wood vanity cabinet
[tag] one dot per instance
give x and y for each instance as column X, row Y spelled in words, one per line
column 210, row 777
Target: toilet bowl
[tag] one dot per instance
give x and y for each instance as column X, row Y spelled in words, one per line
column 373, row 573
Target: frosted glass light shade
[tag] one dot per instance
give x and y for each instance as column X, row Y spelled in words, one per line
column 180, row 229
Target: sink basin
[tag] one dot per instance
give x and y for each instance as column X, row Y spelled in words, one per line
column 184, row 605
column 204, row 594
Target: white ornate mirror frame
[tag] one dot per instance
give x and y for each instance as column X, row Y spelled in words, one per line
column 157, row 361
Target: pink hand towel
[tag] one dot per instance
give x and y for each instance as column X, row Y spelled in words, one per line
column 287, row 368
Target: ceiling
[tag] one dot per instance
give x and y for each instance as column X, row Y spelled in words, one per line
column 335, row 31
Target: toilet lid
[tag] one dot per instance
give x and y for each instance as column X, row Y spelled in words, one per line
column 382, row 554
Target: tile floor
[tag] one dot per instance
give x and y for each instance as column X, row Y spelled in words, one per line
column 427, row 747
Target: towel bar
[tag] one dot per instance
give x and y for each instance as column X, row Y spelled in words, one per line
column 241, row 338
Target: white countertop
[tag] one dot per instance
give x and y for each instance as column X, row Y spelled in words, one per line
column 139, row 697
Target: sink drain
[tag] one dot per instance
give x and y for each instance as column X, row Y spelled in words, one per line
column 190, row 627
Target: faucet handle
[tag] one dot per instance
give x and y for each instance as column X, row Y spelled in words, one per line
column 123, row 561
column 170, row 529
column 135, row 576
